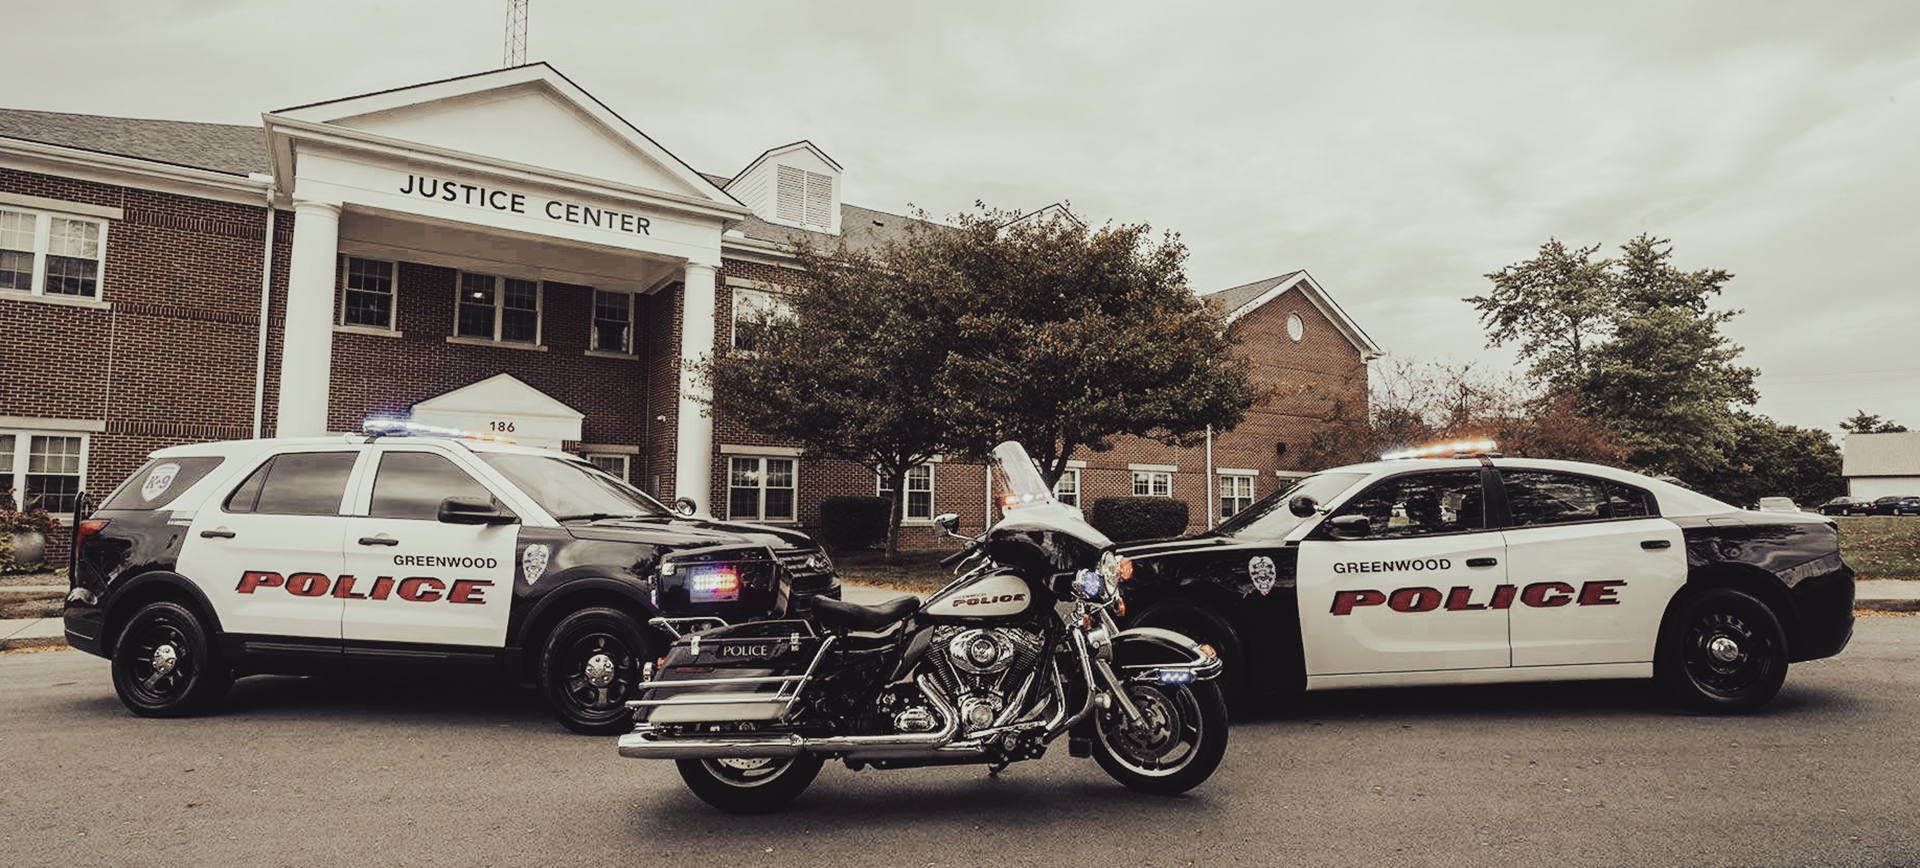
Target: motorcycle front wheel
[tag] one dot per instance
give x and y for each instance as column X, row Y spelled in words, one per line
column 1176, row 746
column 749, row 786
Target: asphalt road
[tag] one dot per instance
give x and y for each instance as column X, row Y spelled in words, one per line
column 320, row 772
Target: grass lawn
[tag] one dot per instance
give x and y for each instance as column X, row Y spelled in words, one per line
column 1881, row 546
column 1876, row 546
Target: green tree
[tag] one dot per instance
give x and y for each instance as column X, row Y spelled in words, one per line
column 1635, row 340
column 950, row 338
column 1867, row 423
column 849, row 363
column 1074, row 337
column 1770, row 459
column 1557, row 305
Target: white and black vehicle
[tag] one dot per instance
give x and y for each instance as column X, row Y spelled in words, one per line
column 393, row 554
column 1477, row 569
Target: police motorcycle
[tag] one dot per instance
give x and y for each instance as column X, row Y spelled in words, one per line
column 1021, row 648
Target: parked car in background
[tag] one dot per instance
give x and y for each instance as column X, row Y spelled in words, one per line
column 1907, row 506
column 1890, row 505
column 1847, row 505
column 1777, row 504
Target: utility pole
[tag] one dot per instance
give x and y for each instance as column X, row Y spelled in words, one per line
column 516, row 50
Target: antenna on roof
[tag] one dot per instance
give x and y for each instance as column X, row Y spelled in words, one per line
column 516, row 51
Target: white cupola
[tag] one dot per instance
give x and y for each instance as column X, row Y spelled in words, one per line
column 796, row 185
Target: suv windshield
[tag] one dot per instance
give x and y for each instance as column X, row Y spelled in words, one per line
column 573, row 490
column 1269, row 517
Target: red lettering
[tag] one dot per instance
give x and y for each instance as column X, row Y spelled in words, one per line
column 1600, row 593
column 1458, row 600
column 1414, row 600
column 255, row 579
column 1503, row 597
column 344, row 589
column 1344, row 602
column 1547, row 595
column 308, row 584
column 421, row 589
column 381, row 588
column 468, row 591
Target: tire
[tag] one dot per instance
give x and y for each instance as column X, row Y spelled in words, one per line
column 590, row 668
column 1201, row 624
column 166, row 665
column 749, row 786
column 1721, row 652
column 1177, row 748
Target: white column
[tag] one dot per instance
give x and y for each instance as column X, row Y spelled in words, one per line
column 693, row 460
column 306, row 355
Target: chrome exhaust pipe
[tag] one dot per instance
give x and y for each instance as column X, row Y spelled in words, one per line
column 647, row 742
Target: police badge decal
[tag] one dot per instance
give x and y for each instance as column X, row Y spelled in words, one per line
column 1260, row 569
column 533, row 561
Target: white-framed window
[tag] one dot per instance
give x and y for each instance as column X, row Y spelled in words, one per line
column 918, row 504
column 1067, row 489
column 749, row 303
column 1152, row 483
column 366, row 298
column 1236, row 493
column 501, row 309
column 49, row 254
column 761, row 489
column 46, row 470
column 612, row 322
column 614, row 465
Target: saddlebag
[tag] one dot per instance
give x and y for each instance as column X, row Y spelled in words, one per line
column 751, row 671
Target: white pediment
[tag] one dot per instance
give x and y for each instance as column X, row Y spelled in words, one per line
column 503, row 405
column 529, row 116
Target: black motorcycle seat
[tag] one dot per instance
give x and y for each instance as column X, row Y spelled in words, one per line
column 865, row 619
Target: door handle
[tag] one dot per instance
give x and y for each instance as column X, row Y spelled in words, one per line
column 378, row 541
column 1654, row 545
column 1482, row 562
column 220, row 533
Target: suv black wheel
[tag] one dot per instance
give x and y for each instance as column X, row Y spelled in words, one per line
column 591, row 667
column 166, row 665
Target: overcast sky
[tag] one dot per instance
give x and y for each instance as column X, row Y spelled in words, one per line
column 1397, row 151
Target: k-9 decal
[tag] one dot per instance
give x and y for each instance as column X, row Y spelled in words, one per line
column 1539, row 595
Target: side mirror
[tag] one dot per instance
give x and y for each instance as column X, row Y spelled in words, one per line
column 1303, row 506
column 946, row 524
column 685, row 507
column 474, row 510
column 1350, row 527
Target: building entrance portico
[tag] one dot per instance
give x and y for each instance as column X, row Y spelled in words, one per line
column 508, row 199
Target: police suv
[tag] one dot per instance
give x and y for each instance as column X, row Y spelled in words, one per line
column 395, row 554
column 1489, row 569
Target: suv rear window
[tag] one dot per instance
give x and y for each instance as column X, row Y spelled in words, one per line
column 159, row 481
column 297, row 483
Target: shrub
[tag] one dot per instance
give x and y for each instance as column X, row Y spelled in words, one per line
column 1124, row 519
column 850, row 522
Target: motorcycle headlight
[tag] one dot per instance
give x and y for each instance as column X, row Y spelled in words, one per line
column 1115, row 568
column 1091, row 585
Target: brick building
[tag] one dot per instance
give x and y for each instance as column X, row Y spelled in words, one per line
column 498, row 252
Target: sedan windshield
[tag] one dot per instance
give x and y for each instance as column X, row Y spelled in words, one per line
column 572, row 490
column 1269, row 518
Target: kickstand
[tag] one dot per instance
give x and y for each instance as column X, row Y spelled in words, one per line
column 995, row 770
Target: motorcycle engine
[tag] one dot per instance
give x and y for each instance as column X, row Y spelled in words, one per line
column 981, row 670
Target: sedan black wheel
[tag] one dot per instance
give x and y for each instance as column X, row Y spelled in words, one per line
column 1201, row 624
column 591, row 667
column 166, row 665
column 1721, row 652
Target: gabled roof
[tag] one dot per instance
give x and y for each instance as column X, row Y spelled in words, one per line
column 1885, row 454
column 1244, row 299
column 527, row 116
column 225, row 148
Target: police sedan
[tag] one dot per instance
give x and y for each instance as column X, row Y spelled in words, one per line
column 1479, row 568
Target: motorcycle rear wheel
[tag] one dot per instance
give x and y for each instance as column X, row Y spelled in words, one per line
column 749, row 786
column 1178, row 744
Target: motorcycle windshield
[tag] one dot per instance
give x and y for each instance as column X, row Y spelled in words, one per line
column 1025, row 497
